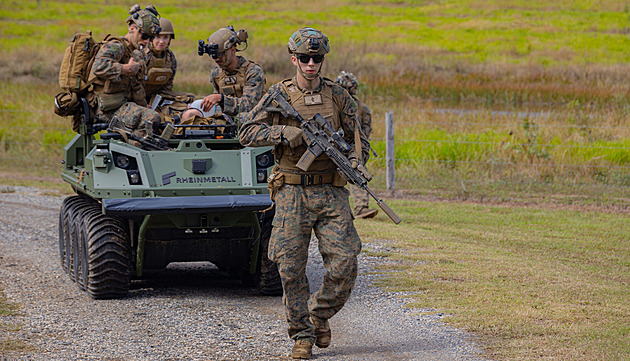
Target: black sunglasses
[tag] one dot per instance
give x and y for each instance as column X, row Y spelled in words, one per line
column 304, row 58
column 145, row 36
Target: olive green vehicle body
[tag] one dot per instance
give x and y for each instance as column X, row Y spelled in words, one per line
column 203, row 199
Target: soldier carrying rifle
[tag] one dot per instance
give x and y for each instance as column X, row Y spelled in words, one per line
column 313, row 200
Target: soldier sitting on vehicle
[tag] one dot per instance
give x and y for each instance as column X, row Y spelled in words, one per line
column 117, row 73
column 238, row 83
column 161, row 70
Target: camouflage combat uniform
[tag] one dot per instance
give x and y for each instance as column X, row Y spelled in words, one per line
column 241, row 89
column 317, row 202
column 121, row 95
column 361, row 196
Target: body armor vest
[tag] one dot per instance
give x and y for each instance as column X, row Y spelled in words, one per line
column 307, row 104
column 160, row 71
column 233, row 84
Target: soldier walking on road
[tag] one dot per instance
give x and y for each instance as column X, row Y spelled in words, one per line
column 309, row 201
column 364, row 115
column 238, row 83
column 118, row 69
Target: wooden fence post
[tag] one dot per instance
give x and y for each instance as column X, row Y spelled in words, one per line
column 390, row 157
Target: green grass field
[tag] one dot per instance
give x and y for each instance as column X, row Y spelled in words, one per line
column 538, row 283
column 520, row 106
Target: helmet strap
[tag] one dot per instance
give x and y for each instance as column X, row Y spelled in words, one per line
column 312, row 77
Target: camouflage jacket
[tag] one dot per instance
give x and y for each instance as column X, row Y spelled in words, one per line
column 107, row 68
column 365, row 117
column 257, row 127
column 253, row 89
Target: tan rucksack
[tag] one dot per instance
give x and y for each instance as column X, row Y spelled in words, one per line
column 77, row 63
column 73, row 78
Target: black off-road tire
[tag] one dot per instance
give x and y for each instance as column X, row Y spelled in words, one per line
column 108, row 256
column 69, row 233
column 86, row 207
column 65, row 240
column 267, row 278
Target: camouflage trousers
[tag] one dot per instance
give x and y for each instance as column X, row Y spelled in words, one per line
column 135, row 117
column 325, row 210
column 361, row 199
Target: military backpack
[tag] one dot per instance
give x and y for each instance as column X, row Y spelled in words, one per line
column 73, row 77
column 77, row 62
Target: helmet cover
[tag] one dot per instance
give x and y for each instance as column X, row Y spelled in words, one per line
column 308, row 41
column 145, row 19
column 348, row 81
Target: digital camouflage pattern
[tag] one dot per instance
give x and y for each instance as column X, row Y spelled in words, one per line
column 360, row 195
column 107, row 68
column 325, row 210
column 135, row 117
column 108, row 62
column 253, row 89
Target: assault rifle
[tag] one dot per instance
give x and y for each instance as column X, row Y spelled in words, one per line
column 323, row 139
column 151, row 141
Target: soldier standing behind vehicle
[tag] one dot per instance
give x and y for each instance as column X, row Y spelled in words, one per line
column 238, row 83
column 364, row 115
column 315, row 200
column 118, row 69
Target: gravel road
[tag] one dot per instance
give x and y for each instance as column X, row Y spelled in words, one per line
column 192, row 311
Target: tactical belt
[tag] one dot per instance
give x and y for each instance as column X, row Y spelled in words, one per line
column 311, row 179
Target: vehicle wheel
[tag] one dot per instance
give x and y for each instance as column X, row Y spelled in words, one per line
column 86, row 207
column 64, row 232
column 108, row 256
column 267, row 278
column 72, row 222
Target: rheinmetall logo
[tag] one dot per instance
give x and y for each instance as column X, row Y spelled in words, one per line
column 166, row 179
column 227, row 179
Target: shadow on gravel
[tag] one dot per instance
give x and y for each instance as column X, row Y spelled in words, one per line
column 194, row 278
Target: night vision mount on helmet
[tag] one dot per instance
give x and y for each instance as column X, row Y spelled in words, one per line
column 222, row 40
column 145, row 19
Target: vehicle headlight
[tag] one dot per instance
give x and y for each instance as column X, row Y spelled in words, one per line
column 122, row 161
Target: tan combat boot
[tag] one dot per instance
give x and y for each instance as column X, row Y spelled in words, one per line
column 322, row 332
column 366, row 213
column 303, row 349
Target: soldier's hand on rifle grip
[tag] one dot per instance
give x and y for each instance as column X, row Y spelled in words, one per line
column 293, row 135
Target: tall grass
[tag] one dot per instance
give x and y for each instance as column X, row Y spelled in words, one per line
column 487, row 95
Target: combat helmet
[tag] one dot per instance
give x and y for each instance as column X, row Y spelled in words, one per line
column 167, row 28
column 308, row 41
column 348, row 81
column 145, row 19
column 222, row 40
